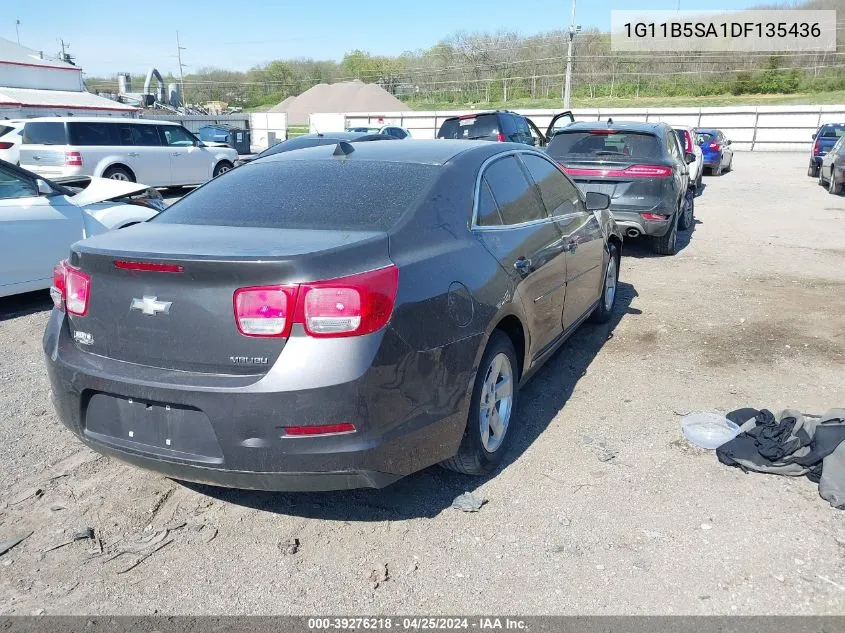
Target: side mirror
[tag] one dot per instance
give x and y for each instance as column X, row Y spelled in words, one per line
column 689, row 158
column 728, row 142
column 199, row 144
column 596, row 201
column 43, row 188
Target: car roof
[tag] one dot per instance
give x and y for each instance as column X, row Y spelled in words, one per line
column 97, row 119
column 622, row 126
column 430, row 152
column 707, row 130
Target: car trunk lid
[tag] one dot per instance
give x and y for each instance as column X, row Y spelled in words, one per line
column 180, row 314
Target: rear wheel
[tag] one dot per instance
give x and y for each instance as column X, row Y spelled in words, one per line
column 834, row 188
column 687, row 218
column 604, row 311
column 119, row 173
column 822, row 182
column 667, row 244
column 730, row 164
column 487, row 433
column 813, row 170
column 717, row 169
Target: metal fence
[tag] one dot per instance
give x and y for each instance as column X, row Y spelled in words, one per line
column 750, row 128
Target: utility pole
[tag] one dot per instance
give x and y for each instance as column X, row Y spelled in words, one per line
column 567, row 88
column 66, row 57
column 18, row 30
column 179, row 50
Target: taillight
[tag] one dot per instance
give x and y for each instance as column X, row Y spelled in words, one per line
column 816, row 145
column 688, row 139
column 71, row 289
column 654, row 217
column 350, row 306
column 6, row 145
column 500, row 137
column 265, row 311
column 715, row 147
column 57, row 290
column 149, row 267
column 73, row 159
column 634, row 171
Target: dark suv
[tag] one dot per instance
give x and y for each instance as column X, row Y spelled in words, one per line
column 503, row 126
column 640, row 166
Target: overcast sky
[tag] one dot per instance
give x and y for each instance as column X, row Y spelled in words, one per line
column 109, row 38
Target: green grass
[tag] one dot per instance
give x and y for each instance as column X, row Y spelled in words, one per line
column 297, row 130
column 810, row 98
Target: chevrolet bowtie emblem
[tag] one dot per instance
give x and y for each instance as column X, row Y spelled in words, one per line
column 151, row 306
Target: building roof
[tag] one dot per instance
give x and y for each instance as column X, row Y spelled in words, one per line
column 31, row 97
column 17, row 55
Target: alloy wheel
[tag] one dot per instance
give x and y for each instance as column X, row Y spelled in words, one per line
column 496, row 402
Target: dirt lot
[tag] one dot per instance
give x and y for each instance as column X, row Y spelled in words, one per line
column 602, row 508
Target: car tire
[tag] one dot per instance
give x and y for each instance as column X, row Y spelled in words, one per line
column 222, row 167
column 667, row 244
column 730, row 164
column 480, row 453
column 822, row 181
column 604, row 310
column 833, row 188
column 717, row 170
column 813, row 170
column 687, row 218
column 119, row 173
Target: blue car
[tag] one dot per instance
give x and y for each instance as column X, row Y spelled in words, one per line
column 716, row 148
column 823, row 140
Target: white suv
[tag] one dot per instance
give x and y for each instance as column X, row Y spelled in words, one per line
column 156, row 153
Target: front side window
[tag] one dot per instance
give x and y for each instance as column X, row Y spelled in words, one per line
column 512, row 192
column 13, row 185
column 177, row 136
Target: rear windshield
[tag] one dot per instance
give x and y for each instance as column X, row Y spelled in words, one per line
column 44, row 134
column 832, row 130
column 294, row 143
column 482, row 126
column 599, row 143
column 705, row 137
column 306, row 194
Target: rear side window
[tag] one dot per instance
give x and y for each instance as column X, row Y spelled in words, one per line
column 513, row 193
column 832, row 131
column 488, row 212
column 307, row 194
column 597, row 143
column 44, row 134
column 5, row 129
column 483, row 126
column 93, row 134
column 559, row 195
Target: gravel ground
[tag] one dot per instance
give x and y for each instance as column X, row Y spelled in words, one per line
column 602, row 507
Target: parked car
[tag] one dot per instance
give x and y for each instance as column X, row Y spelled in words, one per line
column 158, row 153
column 10, row 140
column 823, row 140
column 390, row 130
column 40, row 219
column 335, row 317
column 640, row 166
column 716, row 149
column 832, row 168
column 502, row 126
column 313, row 140
column 687, row 139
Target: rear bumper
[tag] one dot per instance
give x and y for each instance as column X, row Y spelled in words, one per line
column 229, row 431
column 634, row 220
column 55, row 171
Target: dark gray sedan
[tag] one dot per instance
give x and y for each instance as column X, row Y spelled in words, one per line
column 832, row 168
column 303, row 323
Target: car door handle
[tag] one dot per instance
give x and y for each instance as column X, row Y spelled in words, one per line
column 523, row 266
column 133, row 154
column 177, row 153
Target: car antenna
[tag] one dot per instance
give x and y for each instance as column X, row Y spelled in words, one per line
column 343, row 149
